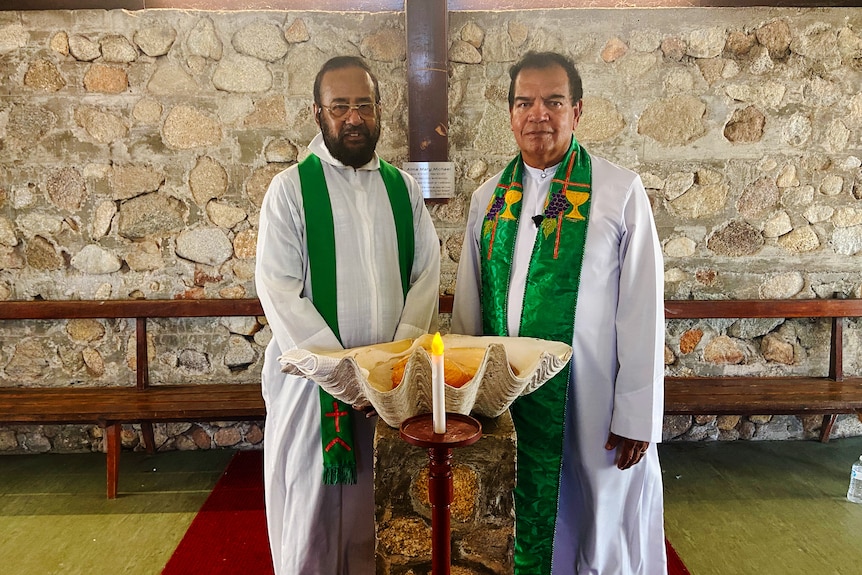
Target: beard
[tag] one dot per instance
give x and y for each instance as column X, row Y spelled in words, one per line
column 351, row 153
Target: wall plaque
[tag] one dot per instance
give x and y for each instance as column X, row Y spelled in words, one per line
column 436, row 179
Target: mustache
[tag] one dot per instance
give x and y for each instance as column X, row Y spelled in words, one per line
column 360, row 130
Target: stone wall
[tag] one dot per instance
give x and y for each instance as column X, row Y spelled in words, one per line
column 136, row 148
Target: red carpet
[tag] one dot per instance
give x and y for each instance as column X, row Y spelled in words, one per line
column 228, row 535
column 675, row 566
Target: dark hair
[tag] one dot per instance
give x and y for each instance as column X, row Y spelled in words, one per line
column 542, row 60
column 339, row 62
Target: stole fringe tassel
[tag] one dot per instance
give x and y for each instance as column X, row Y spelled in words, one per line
column 339, row 475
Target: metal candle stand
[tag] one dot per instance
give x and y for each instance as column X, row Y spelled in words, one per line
column 461, row 431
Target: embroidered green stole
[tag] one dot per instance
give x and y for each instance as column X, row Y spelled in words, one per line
column 336, row 427
column 549, row 313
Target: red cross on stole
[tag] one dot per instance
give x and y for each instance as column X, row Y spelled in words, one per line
column 335, row 413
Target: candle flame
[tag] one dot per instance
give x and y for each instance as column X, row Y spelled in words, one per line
column 437, row 344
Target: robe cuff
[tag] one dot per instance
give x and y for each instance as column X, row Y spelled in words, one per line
column 322, row 341
column 639, row 428
column 407, row 331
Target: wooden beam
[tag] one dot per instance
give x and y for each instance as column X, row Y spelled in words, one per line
column 787, row 308
column 142, row 358
column 113, row 444
column 222, row 5
column 78, row 309
column 427, row 23
column 397, row 5
column 498, row 5
column 836, row 357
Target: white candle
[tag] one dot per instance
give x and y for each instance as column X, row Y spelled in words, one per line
column 438, row 390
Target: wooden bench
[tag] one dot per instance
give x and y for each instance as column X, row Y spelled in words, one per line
column 110, row 407
column 828, row 395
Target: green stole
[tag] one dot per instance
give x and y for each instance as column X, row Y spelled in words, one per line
column 336, row 427
column 549, row 313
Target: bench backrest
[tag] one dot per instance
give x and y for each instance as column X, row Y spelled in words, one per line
column 761, row 308
column 835, row 309
column 140, row 310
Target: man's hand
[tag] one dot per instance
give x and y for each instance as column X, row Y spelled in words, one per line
column 368, row 410
column 629, row 451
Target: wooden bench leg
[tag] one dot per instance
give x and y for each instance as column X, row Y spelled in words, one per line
column 826, row 427
column 112, row 448
column 149, row 436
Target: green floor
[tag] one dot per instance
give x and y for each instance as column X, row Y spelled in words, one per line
column 55, row 519
column 732, row 508
column 763, row 507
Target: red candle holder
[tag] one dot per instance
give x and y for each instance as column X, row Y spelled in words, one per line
column 461, row 431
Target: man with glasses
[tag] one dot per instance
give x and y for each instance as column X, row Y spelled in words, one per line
column 561, row 245
column 347, row 256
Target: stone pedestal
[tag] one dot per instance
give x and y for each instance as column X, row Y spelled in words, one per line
column 482, row 505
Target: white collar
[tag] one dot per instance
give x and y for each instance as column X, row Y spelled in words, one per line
column 541, row 175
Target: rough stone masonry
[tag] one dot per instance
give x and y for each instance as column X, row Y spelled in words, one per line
column 137, row 146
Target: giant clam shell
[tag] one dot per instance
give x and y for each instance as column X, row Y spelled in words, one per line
column 361, row 376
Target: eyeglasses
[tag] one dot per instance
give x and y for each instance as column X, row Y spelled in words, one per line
column 366, row 111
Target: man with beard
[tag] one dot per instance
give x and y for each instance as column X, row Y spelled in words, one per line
column 347, row 256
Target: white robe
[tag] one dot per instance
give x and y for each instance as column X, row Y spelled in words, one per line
column 610, row 522
column 317, row 529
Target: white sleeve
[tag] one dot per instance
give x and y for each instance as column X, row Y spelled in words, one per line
column 639, row 392
column 281, row 269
